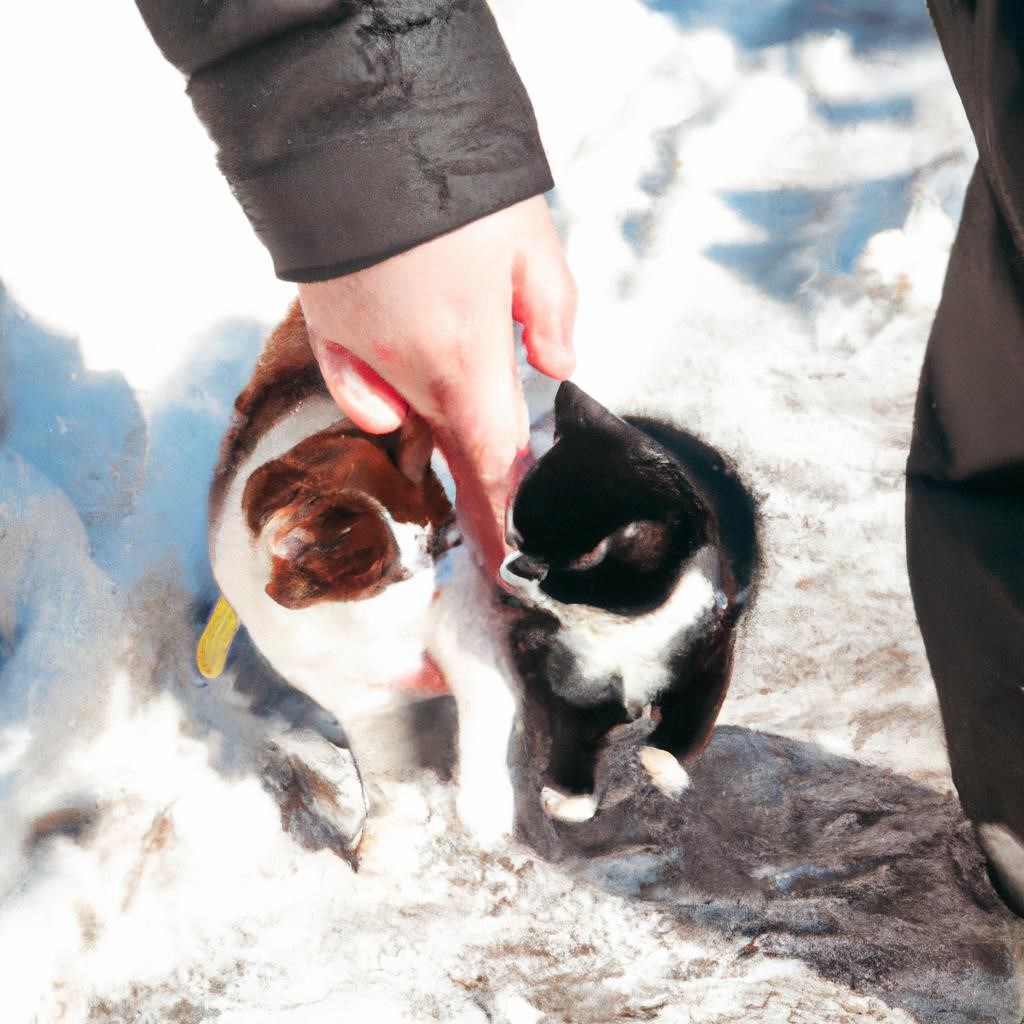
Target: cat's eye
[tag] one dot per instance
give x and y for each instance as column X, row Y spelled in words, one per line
column 592, row 558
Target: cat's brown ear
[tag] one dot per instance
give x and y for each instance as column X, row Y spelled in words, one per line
column 410, row 449
column 574, row 409
column 273, row 486
column 415, row 446
column 337, row 549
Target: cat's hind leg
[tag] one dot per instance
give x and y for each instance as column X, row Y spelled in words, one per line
column 688, row 709
column 578, row 735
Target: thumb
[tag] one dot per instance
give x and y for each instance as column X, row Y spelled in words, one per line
column 368, row 400
column 544, row 302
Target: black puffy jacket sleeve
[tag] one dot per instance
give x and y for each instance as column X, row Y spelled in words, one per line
column 351, row 130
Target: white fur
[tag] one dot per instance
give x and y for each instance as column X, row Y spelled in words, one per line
column 634, row 647
column 467, row 642
column 664, row 770
column 568, row 808
column 637, row 649
column 342, row 653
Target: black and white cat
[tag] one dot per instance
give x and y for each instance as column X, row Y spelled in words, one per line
column 637, row 552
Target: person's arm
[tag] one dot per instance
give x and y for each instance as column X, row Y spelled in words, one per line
column 351, row 131
column 387, row 156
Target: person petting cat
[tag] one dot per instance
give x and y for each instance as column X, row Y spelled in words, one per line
column 388, row 157
column 408, row 209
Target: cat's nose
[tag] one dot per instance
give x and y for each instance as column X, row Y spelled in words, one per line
column 527, row 568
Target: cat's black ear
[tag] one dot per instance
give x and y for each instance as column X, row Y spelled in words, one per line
column 575, row 409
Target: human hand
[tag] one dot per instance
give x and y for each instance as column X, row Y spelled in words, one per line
column 432, row 327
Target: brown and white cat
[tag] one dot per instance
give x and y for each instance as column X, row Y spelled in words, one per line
column 321, row 540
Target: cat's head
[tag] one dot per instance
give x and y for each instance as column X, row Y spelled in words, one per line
column 343, row 515
column 605, row 518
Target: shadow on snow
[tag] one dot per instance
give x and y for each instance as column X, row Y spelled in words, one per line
column 868, row 877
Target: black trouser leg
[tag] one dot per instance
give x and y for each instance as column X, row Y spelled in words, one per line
column 965, row 548
column 966, row 554
column 965, row 488
column 965, row 512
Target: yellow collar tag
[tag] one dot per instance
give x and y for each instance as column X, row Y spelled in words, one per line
column 214, row 644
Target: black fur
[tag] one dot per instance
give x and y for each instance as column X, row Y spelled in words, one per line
column 609, row 519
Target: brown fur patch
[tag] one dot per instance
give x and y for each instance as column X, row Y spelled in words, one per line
column 286, row 373
column 321, row 501
column 335, row 461
column 336, row 549
column 319, row 508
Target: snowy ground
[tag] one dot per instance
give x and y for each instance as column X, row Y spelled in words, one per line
column 757, row 207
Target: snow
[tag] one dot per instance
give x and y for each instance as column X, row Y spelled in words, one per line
column 757, row 206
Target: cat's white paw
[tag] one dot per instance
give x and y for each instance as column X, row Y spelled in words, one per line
column 670, row 777
column 568, row 808
column 486, row 812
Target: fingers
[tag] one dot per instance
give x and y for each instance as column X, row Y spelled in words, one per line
column 430, row 330
column 368, row 400
column 547, row 309
column 481, row 507
column 482, row 434
column 544, row 302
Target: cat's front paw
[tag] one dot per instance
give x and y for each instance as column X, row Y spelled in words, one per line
column 667, row 774
column 486, row 811
column 580, row 807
